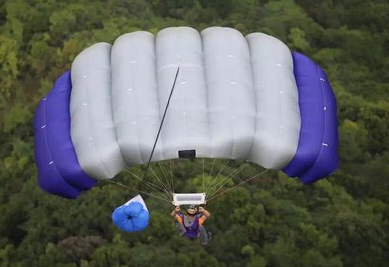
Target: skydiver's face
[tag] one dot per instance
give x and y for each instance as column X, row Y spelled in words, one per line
column 191, row 212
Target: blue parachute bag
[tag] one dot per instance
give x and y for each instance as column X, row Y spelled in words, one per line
column 133, row 216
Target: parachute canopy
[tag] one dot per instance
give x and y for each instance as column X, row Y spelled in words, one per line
column 235, row 97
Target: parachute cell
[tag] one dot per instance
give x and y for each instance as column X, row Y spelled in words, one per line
column 316, row 155
column 277, row 110
column 92, row 127
column 133, row 71
column 58, row 169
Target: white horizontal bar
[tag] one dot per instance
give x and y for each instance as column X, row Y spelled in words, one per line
column 188, row 199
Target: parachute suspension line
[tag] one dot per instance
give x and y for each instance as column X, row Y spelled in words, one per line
column 171, row 174
column 213, row 164
column 230, row 177
column 207, row 190
column 225, row 180
column 160, row 126
column 167, row 191
column 203, row 175
column 154, row 188
column 209, row 180
column 150, row 184
column 139, row 191
column 209, row 175
column 240, row 184
column 160, row 182
column 164, row 176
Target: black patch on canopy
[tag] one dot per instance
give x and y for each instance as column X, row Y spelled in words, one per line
column 187, row 154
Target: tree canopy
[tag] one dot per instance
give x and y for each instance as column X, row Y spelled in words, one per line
column 273, row 221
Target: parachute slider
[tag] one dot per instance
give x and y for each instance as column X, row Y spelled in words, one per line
column 188, row 199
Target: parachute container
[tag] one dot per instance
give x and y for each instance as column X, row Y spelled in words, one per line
column 133, row 216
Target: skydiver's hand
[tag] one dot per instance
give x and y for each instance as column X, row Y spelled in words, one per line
column 201, row 209
column 177, row 209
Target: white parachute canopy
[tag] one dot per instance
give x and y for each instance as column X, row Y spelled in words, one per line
column 235, row 98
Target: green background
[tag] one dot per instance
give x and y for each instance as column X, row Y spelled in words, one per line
column 273, row 221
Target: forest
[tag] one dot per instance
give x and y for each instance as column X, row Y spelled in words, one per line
column 271, row 221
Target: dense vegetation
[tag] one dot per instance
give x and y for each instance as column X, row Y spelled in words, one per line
column 273, row 221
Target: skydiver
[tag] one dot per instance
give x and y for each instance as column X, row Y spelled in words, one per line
column 190, row 224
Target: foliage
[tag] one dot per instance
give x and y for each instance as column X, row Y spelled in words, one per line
column 272, row 221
